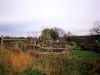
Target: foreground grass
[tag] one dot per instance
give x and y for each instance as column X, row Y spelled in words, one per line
column 14, row 62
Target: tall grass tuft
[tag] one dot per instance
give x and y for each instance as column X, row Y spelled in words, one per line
column 16, row 63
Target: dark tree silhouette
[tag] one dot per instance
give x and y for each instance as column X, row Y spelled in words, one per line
column 95, row 32
column 54, row 34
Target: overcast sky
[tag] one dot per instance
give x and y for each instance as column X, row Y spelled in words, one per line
column 23, row 17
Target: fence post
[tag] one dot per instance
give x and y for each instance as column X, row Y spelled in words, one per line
column 2, row 40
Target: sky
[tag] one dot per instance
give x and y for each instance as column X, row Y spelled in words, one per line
column 30, row 17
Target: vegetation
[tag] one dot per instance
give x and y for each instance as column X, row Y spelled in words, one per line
column 84, row 54
column 53, row 33
column 95, row 33
column 15, row 62
column 33, row 62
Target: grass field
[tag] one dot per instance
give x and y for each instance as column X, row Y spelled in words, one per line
column 84, row 54
column 13, row 62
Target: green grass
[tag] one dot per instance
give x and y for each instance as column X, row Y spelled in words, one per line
column 84, row 54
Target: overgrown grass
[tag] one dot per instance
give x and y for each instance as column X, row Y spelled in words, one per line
column 16, row 63
column 24, row 63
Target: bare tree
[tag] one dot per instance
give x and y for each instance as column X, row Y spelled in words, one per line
column 96, row 29
column 68, row 37
column 95, row 32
